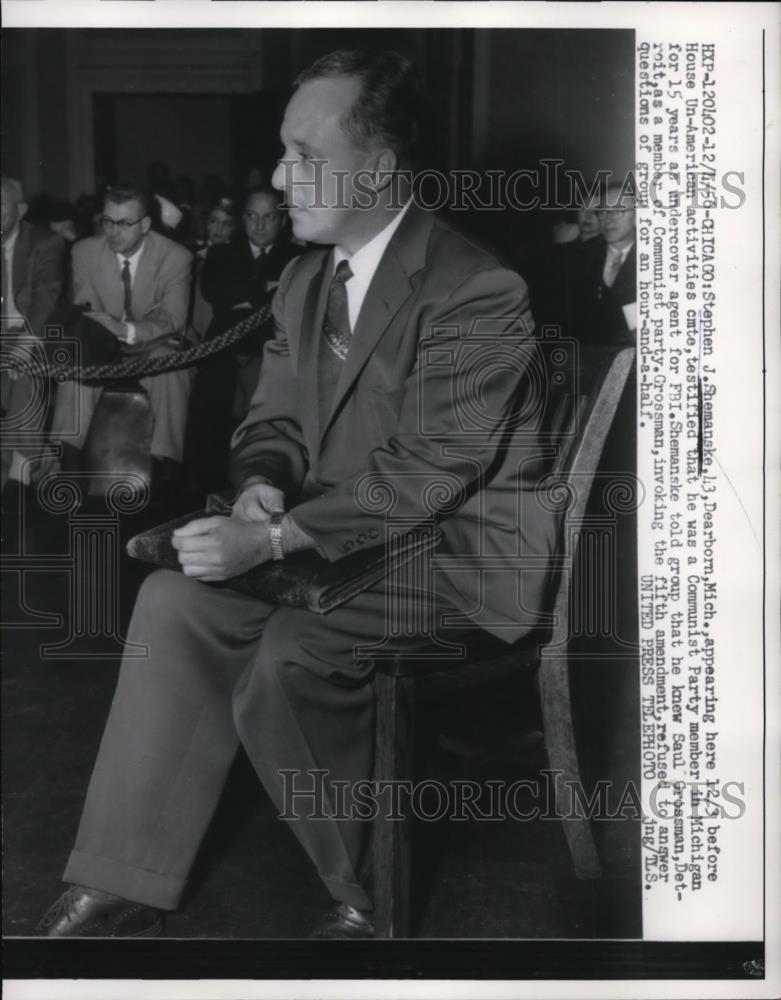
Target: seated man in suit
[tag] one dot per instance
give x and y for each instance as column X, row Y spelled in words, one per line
column 33, row 278
column 396, row 372
column 591, row 291
column 237, row 279
column 137, row 285
column 241, row 276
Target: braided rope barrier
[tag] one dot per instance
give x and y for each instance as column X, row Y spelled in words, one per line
column 142, row 366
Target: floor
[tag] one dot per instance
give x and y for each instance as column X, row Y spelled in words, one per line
column 502, row 878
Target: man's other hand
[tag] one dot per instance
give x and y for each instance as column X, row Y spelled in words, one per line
column 219, row 548
column 257, row 502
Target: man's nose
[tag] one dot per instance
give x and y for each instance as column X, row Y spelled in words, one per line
column 278, row 177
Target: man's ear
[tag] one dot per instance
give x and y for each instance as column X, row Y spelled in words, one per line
column 383, row 168
column 146, row 223
column 21, row 210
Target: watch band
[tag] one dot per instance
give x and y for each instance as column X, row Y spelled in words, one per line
column 275, row 535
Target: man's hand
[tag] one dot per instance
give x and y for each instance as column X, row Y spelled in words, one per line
column 115, row 326
column 257, row 502
column 218, row 548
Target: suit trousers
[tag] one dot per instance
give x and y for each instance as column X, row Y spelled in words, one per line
column 223, row 669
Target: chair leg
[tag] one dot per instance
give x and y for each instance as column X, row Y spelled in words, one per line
column 562, row 756
column 394, row 754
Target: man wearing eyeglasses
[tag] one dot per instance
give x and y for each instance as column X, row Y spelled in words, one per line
column 137, row 285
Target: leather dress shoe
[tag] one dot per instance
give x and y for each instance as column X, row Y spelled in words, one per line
column 344, row 922
column 81, row 912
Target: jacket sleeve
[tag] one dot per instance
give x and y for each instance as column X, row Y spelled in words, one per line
column 269, row 442
column 46, row 283
column 470, row 383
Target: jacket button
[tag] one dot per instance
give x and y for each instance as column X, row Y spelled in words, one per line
column 348, row 546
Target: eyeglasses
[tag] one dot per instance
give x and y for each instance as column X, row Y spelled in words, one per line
column 122, row 224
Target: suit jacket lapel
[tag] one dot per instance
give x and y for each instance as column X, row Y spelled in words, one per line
column 112, row 292
column 20, row 267
column 144, row 279
column 389, row 289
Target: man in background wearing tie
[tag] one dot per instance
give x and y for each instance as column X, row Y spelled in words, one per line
column 617, row 287
column 137, row 285
column 591, row 290
column 33, row 277
column 237, row 279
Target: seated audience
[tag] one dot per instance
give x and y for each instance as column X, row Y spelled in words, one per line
column 136, row 283
column 240, row 277
column 33, row 280
column 220, row 224
column 64, row 220
column 219, row 228
column 237, row 278
column 590, row 289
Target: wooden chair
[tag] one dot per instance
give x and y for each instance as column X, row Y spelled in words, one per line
column 585, row 414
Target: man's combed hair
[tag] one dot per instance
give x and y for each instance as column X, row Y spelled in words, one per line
column 268, row 190
column 125, row 193
column 390, row 106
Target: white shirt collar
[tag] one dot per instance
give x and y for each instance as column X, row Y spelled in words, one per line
column 259, row 251
column 133, row 259
column 364, row 264
column 623, row 251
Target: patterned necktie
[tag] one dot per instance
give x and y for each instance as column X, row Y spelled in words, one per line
column 612, row 266
column 335, row 340
column 128, row 290
column 336, row 325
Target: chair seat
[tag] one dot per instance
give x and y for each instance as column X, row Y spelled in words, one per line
column 486, row 659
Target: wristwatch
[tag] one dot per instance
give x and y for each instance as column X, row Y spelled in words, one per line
column 275, row 534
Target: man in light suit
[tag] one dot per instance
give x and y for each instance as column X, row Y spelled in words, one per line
column 137, row 285
column 394, row 372
column 33, row 277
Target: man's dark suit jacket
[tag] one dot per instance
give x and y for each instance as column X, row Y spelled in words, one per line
column 575, row 298
column 231, row 276
column 416, row 427
column 38, row 274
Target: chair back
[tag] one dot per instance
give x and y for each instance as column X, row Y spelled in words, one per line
column 582, row 410
column 119, row 438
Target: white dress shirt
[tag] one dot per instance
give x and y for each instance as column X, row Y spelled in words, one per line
column 11, row 315
column 132, row 260
column 364, row 263
column 614, row 261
